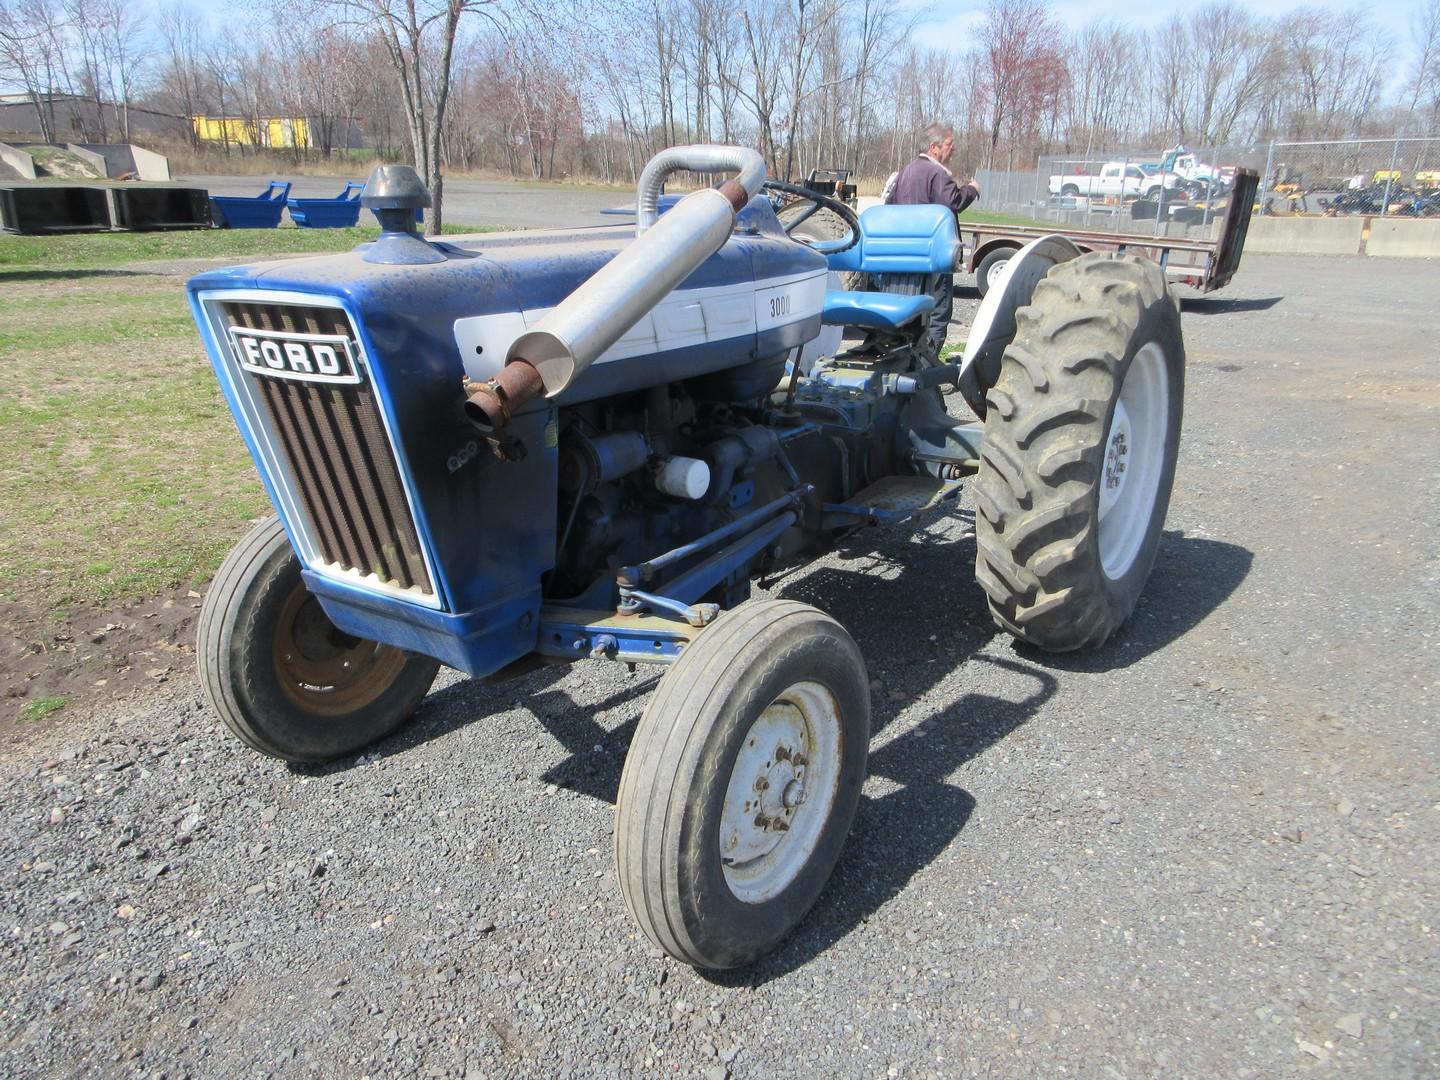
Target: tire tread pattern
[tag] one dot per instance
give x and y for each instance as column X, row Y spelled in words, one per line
column 1042, row 457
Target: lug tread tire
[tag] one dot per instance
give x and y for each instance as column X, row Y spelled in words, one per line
column 1042, row 459
column 667, row 770
column 236, row 674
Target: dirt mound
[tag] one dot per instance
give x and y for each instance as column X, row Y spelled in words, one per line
column 57, row 162
column 94, row 653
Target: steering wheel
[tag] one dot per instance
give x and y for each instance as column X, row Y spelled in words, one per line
column 818, row 202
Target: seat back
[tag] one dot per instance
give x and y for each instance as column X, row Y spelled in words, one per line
column 903, row 240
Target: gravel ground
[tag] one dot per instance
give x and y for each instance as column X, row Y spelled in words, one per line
column 1207, row 849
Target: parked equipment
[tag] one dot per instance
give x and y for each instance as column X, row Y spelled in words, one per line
column 263, row 211
column 341, row 212
column 553, row 446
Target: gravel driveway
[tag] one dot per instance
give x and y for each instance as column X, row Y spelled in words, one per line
column 1206, row 850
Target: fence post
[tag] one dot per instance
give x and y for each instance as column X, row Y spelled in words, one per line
column 1265, row 176
column 1390, row 176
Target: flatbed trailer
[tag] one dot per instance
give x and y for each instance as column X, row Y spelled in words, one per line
column 1205, row 264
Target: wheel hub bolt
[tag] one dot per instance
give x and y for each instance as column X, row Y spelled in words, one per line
column 794, row 794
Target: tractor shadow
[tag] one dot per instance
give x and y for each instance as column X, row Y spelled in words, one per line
column 1192, row 577
column 472, row 701
column 899, row 834
column 1216, row 305
column 909, row 598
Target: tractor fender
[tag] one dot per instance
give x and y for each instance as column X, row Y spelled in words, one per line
column 994, row 325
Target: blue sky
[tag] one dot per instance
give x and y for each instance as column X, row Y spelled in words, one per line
column 951, row 22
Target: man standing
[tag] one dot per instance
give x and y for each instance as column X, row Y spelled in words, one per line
column 924, row 180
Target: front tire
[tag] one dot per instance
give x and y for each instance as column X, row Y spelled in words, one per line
column 1078, row 459
column 284, row 679
column 741, row 783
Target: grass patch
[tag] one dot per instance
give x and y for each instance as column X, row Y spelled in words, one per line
column 121, row 472
column 92, row 250
column 989, row 217
column 41, row 708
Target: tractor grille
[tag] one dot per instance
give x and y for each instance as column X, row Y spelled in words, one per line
column 340, row 457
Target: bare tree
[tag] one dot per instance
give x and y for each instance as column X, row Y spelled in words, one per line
column 419, row 41
column 124, row 52
column 182, row 64
column 1335, row 64
column 1424, row 81
column 30, row 47
column 1020, row 47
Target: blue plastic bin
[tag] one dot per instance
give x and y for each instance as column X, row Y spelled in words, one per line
column 260, row 212
column 341, row 212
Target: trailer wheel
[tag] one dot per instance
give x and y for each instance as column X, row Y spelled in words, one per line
column 741, row 783
column 1078, row 458
column 987, row 273
column 284, row 679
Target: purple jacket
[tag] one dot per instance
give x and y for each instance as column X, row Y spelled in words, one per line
column 923, row 181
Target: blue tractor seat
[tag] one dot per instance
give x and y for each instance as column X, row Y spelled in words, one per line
column 893, row 240
column 878, row 311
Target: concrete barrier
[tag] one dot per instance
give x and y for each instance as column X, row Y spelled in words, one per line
column 90, row 157
column 1305, row 236
column 18, row 160
column 150, row 165
column 1405, row 238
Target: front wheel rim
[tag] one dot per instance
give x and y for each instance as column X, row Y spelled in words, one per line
column 781, row 792
column 323, row 670
column 1134, row 460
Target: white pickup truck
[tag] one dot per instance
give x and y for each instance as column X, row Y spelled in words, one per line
column 1114, row 178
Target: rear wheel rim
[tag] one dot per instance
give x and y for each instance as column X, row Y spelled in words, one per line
column 1134, row 460
column 781, row 792
column 324, row 670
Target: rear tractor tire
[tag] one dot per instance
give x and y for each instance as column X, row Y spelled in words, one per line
column 1078, row 458
column 284, row 679
column 741, row 783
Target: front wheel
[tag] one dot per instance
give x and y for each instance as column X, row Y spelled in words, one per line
column 1078, row 457
column 741, row 783
column 284, row 679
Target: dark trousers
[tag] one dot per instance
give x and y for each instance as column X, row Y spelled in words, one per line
column 942, row 288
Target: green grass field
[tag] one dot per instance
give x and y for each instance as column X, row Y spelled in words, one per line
column 122, row 473
column 91, row 250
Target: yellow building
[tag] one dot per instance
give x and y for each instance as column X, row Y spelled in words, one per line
column 280, row 132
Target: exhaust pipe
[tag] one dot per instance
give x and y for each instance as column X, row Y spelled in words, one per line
column 600, row 312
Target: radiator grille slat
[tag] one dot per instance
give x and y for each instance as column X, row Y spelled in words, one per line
column 334, row 438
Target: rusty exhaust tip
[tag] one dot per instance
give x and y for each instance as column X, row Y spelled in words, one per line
column 489, row 405
column 736, row 193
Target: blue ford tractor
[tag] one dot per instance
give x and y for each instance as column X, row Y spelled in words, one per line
column 509, row 449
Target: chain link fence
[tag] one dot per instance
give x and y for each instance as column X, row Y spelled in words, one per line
column 1382, row 177
column 1176, row 192
column 1181, row 191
